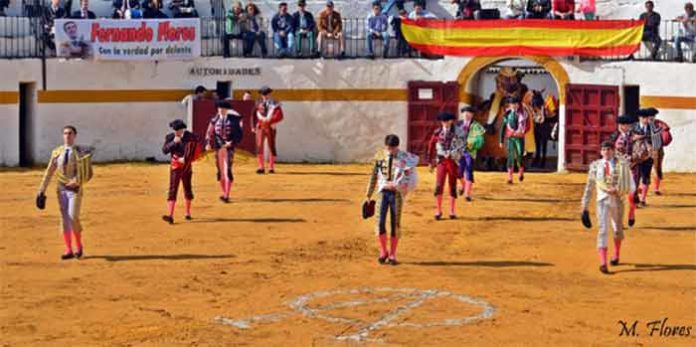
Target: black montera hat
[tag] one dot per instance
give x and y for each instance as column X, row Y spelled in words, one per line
column 607, row 144
column 445, row 116
column 223, row 104
column 512, row 99
column 471, row 109
column 625, row 119
column 647, row 112
column 177, row 124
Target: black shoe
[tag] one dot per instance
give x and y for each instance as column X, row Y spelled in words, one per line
column 78, row 254
column 168, row 219
column 521, row 178
column 509, row 182
column 392, row 261
column 438, row 216
column 461, row 192
column 468, row 198
column 631, row 222
column 225, row 200
column 383, row 260
column 603, row 269
column 188, row 217
column 67, row 256
column 657, row 192
column 260, row 171
column 453, row 216
column 636, row 199
column 643, row 204
column 614, row 262
column 271, row 171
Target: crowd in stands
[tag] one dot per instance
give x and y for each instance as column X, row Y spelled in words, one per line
column 324, row 33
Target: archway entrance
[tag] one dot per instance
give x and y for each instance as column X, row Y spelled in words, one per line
column 541, row 82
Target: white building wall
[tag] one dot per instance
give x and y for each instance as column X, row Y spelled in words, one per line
column 12, row 73
column 316, row 131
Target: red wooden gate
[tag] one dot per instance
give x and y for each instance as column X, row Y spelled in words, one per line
column 425, row 101
column 204, row 110
column 591, row 112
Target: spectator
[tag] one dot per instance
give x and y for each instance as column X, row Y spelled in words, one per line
column 331, row 27
column 125, row 9
column 198, row 94
column 687, row 32
column 234, row 20
column 467, row 9
column 151, row 10
column 564, row 9
column 3, row 5
column 304, row 27
column 283, row 30
column 588, row 9
column 402, row 47
column 50, row 14
column 419, row 12
column 247, row 96
column 538, row 9
column 183, row 9
column 84, row 12
column 252, row 31
column 514, row 9
column 651, row 30
column 377, row 29
column 400, row 4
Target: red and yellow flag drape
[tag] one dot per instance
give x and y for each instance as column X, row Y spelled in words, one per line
column 523, row 37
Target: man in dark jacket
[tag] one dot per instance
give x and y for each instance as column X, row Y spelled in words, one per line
column 51, row 13
column 467, row 9
column 538, row 9
column 84, row 12
column 283, row 30
column 651, row 31
column 304, row 27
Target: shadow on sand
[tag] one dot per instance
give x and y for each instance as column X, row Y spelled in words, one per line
column 480, row 263
column 657, row 267
column 114, row 258
column 325, row 173
column 519, row 219
column 248, row 220
column 297, row 200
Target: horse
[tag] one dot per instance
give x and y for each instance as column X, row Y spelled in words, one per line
column 544, row 112
column 508, row 83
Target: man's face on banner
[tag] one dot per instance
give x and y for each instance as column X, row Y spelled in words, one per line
column 70, row 28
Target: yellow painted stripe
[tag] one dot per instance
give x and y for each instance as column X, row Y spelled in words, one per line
column 9, row 98
column 311, row 95
column 96, row 96
column 531, row 37
column 673, row 102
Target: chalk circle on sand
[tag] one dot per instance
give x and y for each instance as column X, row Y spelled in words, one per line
column 404, row 301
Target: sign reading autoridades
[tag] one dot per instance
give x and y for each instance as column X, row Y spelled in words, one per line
column 224, row 71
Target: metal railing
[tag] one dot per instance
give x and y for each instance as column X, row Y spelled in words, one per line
column 23, row 37
column 30, row 37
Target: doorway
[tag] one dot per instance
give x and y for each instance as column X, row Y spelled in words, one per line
column 27, row 94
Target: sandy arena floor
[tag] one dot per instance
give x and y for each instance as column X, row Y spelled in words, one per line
column 521, row 249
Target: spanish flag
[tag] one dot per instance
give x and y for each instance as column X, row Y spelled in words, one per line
column 523, row 37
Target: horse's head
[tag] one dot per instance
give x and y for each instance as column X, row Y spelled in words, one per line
column 537, row 98
column 509, row 81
